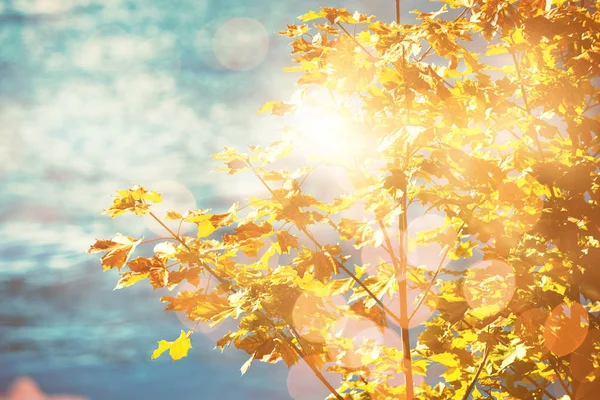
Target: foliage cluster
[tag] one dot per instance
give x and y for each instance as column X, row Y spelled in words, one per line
column 487, row 125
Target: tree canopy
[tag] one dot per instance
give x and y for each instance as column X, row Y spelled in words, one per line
column 470, row 231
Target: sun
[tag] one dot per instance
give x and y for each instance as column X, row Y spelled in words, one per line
column 324, row 127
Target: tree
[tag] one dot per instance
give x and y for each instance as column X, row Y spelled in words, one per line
column 486, row 124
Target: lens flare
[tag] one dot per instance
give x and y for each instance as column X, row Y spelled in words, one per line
column 489, row 287
column 241, row 44
column 312, row 314
column 530, row 328
column 352, row 334
column 303, row 384
column 566, row 328
column 428, row 256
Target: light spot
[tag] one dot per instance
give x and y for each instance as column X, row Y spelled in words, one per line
column 530, row 328
column 413, row 296
column 350, row 335
column 428, row 255
column 566, row 328
column 489, row 286
column 313, row 316
column 241, row 44
column 303, row 384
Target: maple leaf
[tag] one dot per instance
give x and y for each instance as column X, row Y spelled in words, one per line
column 132, row 200
column 178, row 349
column 118, row 249
column 130, row 278
column 294, row 30
column 286, row 241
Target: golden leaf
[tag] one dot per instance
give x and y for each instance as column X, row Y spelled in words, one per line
column 177, row 349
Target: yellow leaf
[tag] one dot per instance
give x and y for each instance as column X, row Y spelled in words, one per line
column 360, row 271
column 494, row 50
column 205, row 228
column 130, row 278
column 118, row 249
column 264, row 260
column 311, row 15
column 446, row 359
column 132, row 200
column 276, row 107
column 165, row 249
column 177, row 349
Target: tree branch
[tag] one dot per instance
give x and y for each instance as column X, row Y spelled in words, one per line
column 432, row 282
column 474, row 381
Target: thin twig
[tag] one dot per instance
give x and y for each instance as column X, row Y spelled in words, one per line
column 335, row 261
column 431, row 283
column 474, row 381
column 180, row 240
column 156, row 239
column 526, row 101
column 355, row 41
column 310, row 364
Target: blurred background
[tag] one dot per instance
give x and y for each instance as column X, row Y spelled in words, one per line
column 97, row 96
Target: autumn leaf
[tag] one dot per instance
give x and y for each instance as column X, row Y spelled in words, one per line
column 134, row 200
column 177, row 349
column 118, row 250
column 130, row 278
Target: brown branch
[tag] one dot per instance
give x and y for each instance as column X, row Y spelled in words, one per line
column 560, row 379
column 358, row 281
column 476, row 377
column 302, row 355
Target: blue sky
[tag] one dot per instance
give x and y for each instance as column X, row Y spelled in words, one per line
column 99, row 95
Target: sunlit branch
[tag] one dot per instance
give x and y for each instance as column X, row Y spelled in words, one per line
column 333, row 259
column 430, row 47
column 476, row 376
column 526, row 101
column 433, row 279
column 308, row 173
column 559, row 376
column 179, row 227
column 302, row 355
column 157, row 239
column 356, row 41
column 180, row 240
